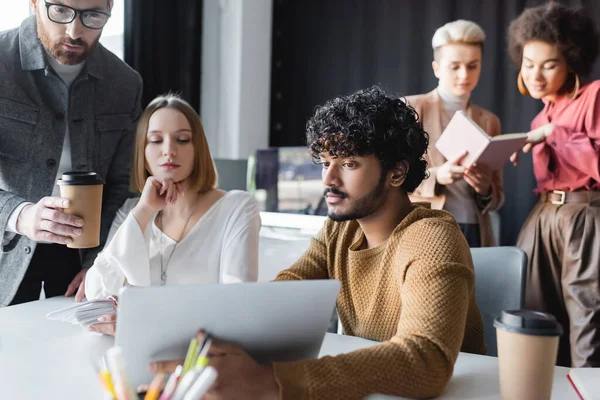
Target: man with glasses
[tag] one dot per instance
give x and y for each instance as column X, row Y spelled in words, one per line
column 78, row 45
column 66, row 104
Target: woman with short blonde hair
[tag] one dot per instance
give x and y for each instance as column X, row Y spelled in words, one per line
column 181, row 230
column 459, row 31
column 467, row 193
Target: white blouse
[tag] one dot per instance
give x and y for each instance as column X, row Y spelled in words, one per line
column 222, row 247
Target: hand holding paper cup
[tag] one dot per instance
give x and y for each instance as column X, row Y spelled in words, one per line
column 84, row 191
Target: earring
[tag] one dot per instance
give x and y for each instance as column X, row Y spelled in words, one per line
column 573, row 94
column 521, row 85
column 398, row 182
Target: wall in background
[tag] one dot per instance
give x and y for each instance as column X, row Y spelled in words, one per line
column 14, row 13
column 322, row 49
column 236, row 76
column 113, row 33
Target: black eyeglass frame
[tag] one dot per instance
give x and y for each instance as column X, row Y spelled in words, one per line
column 76, row 12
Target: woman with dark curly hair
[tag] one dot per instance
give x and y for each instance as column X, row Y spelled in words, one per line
column 555, row 47
column 468, row 194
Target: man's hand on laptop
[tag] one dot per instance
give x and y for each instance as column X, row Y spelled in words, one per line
column 239, row 376
column 46, row 221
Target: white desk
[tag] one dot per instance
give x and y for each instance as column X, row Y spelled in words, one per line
column 51, row 359
column 475, row 376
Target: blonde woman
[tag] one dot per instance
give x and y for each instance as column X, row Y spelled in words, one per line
column 468, row 194
column 182, row 230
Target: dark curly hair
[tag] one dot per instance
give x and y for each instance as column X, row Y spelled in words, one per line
column 371, row 122
column 569, row 28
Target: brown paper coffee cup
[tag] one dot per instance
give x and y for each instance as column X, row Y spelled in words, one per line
column 527, row 349
column 84, row 191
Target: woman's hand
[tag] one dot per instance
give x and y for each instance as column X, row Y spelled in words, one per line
column 479, row 177
column 107, row 325
column 534, row 137
column 451, row 171
column 158, row 193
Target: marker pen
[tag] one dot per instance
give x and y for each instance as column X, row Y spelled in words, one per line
column 202, row 384
column 171, row 384
column 116, row 365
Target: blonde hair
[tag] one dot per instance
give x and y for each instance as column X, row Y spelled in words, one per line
column 204, row 175
column 459, row 31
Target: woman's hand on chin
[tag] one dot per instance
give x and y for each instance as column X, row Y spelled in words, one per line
column 158, row 193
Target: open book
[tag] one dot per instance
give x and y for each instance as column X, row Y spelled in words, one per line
column 84, row 314
column 463, row 134
column 586, row 382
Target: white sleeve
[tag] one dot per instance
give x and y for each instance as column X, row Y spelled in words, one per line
column 11, row 225
column 124, row 257
column 239, row 259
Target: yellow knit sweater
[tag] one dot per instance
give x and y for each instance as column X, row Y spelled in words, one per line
column 415, row 292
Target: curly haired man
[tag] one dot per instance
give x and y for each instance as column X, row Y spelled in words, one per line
column 406, row 270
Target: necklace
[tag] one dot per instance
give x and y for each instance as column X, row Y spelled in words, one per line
column 163, row 270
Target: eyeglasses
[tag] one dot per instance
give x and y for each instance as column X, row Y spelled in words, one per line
column 61, row 14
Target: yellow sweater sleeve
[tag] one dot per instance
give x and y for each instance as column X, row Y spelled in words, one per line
column 418, row 360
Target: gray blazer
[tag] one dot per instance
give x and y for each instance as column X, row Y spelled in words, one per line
column 101, row 108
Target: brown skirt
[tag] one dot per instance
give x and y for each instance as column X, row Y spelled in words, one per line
column 562, row 243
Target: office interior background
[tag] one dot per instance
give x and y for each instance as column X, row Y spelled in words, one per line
column 256, row 69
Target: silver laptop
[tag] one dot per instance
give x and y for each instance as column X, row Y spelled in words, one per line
column 273, row 321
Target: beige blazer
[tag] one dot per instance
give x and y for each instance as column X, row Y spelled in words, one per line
column 429, row 107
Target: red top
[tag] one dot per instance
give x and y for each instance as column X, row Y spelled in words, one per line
column 569, row 158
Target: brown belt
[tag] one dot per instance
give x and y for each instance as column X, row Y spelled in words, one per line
column 560, row 197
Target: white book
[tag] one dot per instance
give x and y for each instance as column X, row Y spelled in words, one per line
column 586, row 382
column 463, row 134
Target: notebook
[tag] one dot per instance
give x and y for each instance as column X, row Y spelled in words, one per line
column 586, row 382
column 85, row 314
column 463, row 134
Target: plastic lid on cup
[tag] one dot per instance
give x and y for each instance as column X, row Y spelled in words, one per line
column 79, row 178
column 529, row 322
